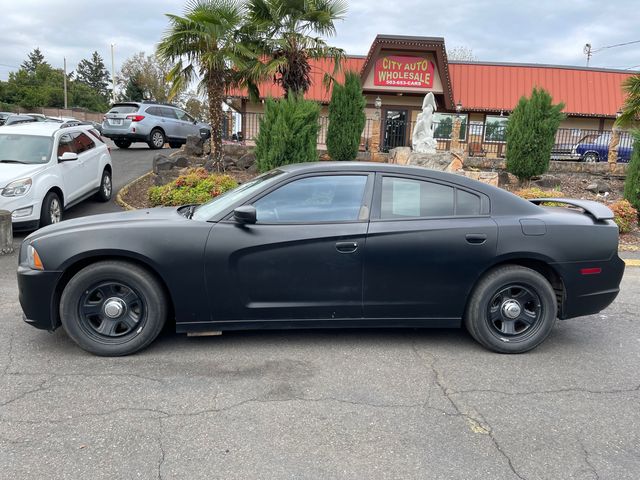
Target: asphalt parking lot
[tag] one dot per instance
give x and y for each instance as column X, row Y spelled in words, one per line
column 356, row 404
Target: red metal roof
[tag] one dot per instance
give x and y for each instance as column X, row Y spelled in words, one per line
column 496, row 87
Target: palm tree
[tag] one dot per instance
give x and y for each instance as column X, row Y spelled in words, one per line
column 286, row 28
column 210, row 43
column 631, row 108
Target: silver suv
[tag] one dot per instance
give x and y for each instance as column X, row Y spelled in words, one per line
column 152, row 123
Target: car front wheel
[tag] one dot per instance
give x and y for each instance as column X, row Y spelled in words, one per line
column 591, row 157
column 511, row 310
column 113, row 308
column 106, row 187
column 51, row 210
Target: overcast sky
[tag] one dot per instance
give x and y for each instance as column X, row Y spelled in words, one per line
column 541, row 31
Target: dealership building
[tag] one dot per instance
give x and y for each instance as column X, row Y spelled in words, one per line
column 399, row 70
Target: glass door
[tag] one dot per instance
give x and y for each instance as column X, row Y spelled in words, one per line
column 395, row 129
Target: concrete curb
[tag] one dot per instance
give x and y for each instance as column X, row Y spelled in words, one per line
column 632, row 262
column 124, row 190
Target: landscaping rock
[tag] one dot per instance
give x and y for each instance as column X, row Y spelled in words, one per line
column 400, row 155
column 599, row 186
column 194, row 146
column 162, row 163
column 253, row 168
column 245, row 161
column 507, row 179
column 547, row 181
column 435, row 161
column 229, row 163
column 181, row 161
column 6, row 233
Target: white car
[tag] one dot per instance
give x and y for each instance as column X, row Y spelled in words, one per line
column 47, row 167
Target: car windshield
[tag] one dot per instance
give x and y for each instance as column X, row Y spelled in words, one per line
column 222, row 202
column 30, row 149
column 603, row 139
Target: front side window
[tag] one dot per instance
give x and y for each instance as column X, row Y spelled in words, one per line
column 81, row 142
column 65, row 144
column 329, row 198
column 406, row 198
column 184, row 116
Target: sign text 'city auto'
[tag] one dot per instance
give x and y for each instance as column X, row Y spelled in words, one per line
column 398, row 71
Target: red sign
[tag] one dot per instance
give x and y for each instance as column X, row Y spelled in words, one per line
column 397, row 71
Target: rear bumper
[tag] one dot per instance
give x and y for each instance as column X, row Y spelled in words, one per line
column 132, row 137
column 590, row 294
column 37, row 297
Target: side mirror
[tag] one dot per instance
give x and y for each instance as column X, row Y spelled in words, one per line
column 68, row 157
column 245, row 214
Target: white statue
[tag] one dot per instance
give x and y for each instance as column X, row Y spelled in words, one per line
column 422, row 140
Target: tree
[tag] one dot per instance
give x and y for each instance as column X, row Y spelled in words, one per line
column 632, row 182
column 444, row 128
column 146, row 74
column 288, row 132
column 462, row 54
column 346, row 118
column 94, row 73
column 287, row 28
column 531, row 132
column 211, row 42
column 631, row 108
column 196, row 108
column 33, row 61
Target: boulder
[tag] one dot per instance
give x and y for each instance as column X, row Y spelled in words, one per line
column 161, row 163
column 435, row 161
column 599, row 186
column 181, row 161
column 400, row 155
column 229, row 163
column 505, row 178
column 194, row 146
column 547, row 181
column 246, row 160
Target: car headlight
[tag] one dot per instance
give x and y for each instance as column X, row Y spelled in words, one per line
column 33, row 259
column 17, row 188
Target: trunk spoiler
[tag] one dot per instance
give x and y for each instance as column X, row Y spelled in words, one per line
column 597, row 210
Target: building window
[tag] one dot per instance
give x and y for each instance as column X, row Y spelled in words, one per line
column 495, row 128
column 443, row 126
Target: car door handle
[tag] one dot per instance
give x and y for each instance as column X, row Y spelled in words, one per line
column 347, row 247
column 476, row 238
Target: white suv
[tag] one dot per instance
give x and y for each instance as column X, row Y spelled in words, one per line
column 47, row 167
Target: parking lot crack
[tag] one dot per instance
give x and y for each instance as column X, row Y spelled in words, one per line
column 39, row 388
column 476, row 423
column 550, row 391
column 587, row 460
column 5, row 370
column 161, row 445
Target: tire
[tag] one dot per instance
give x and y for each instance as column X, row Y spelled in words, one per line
column 156, row 139
column 51, row 211
column 591, row 157
column 175, row 144
column 106, row 187
column 122, row 143
column 138, row 308
column 490, row 314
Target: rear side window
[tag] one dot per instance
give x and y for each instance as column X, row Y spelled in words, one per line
column 125, row 108
column 167, row 112
column 153, row 111
column 467, row 203
column 82, row 142
column 406, row 198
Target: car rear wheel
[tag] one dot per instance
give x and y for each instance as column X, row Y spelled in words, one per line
column 512, row 310
column 106, row 187
column 591, row 157
column 122, row 143
column 156, row 139
column 113, row 308
column 51, row 210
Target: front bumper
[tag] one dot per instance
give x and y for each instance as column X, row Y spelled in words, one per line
column 13, row 204
column 38, row 299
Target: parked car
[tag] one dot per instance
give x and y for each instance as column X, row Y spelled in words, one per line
column 597, row 150
column 152, row 123
column 344, row 244
column 15, row 119
column 4, row 116
column 47, row 167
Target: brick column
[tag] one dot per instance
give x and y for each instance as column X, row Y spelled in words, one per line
column 613, row 146
column 455, row 134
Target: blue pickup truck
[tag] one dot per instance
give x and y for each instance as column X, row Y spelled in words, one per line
column 597, row 150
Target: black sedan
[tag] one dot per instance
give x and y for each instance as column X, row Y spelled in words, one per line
column 326, row 245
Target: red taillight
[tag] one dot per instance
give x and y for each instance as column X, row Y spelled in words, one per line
column 590, row 271
column 135, row 118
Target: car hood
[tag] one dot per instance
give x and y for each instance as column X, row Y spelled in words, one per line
column 10, row 172
column 109, row 220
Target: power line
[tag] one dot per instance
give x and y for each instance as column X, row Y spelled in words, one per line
column 616, row 45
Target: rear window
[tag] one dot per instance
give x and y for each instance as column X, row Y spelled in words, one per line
column 124, row 108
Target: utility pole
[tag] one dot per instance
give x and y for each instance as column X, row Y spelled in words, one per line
column 113, row 77
column 65, row 83
column 587, row 51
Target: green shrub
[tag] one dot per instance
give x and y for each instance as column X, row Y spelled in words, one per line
column 632, row 182
column 197, row 186
column 624, row 215
column 531, row 132
column 288, row 133
column 346, row 118
column 535, row 192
